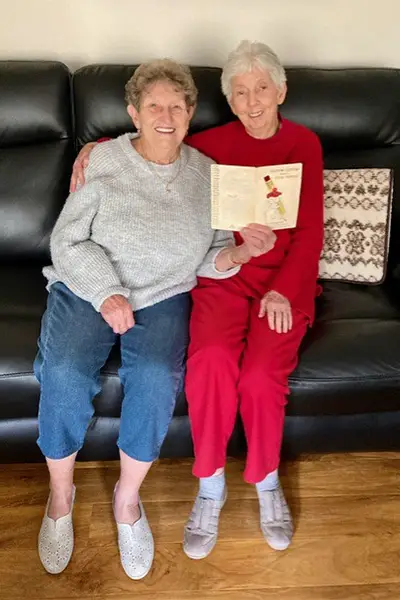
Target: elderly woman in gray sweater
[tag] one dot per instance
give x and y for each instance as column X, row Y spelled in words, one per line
column 126, row 250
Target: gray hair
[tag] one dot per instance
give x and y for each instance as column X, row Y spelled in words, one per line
column 247, row 56
column 160, row 70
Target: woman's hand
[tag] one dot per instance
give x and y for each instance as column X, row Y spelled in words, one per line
column 257, row 239
column 117, row 312
column 278, row 311
column 80, row 164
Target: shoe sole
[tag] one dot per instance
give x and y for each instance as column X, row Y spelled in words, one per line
column 140, row 576
column 194, row 557
column 277, row 548
column 57, row 572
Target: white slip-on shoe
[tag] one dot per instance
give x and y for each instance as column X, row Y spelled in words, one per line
column 275, row 519
column 201, row 529
column 56, row 540
column 136, row 546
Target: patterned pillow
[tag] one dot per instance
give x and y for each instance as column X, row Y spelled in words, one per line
column 358, row 204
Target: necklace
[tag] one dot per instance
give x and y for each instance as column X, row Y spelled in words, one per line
column 153, row 170
column 168, row 182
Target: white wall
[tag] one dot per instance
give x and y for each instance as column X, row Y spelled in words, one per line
column 302, row 32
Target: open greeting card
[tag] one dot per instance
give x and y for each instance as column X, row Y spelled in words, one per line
column 265, row 195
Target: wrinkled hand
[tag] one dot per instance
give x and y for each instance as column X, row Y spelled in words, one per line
column 117, row 312
column 258, row 239
column 278, row 311
column 79, row 166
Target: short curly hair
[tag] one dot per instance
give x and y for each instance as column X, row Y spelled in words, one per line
column 160, row 70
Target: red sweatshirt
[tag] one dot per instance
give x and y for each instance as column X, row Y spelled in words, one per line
column 291, row 267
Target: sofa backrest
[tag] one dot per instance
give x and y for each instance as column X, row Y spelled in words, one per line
column 356, row 113
column 36, row 154
column 347, row 108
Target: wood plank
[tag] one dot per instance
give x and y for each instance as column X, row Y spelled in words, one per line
column 348, row 592
column 314, row 518
column 20, row 526
column 346, row 547
column 343, row 475
column 171, row 480
column 248, row 565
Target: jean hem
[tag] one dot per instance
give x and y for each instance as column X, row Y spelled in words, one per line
column 136, row 456
column 58, row 455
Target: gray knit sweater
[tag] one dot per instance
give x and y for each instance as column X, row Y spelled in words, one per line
column 124, row 233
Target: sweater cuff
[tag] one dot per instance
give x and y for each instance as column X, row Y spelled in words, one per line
column 98, row 300
column 222, row 274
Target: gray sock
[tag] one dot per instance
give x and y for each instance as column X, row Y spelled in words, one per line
column 269, row 483
column 212, row 487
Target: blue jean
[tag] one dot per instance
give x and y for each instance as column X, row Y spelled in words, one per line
column 74, row 344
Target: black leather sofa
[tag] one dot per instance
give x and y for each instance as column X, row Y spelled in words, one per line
column 346, row 389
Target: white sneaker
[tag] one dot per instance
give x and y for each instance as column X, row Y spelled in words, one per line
column 201, row 529
column 136, row 546
column 275, row 519
column 56, row 540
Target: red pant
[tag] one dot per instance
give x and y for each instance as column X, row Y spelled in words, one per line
column 236, row 362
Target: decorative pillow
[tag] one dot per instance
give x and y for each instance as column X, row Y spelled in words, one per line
column 358, row 205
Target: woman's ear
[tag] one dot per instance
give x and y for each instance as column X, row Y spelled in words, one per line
column 282, row 93
column 134, row 115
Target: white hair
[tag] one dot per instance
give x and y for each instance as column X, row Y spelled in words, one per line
column 247, row 56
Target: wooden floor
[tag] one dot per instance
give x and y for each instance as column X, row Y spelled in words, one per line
column 346, row 546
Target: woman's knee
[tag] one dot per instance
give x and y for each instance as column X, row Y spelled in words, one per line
column 151, row 377
column 66, row 375
column 261, row 378
column 215, row 354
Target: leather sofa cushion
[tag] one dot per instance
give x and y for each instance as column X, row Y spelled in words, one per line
column 34, row 183
column 34, row 102
column 37, row 150
column 349, row 361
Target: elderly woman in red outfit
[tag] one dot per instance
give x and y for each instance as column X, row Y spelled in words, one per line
column 246, row 331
